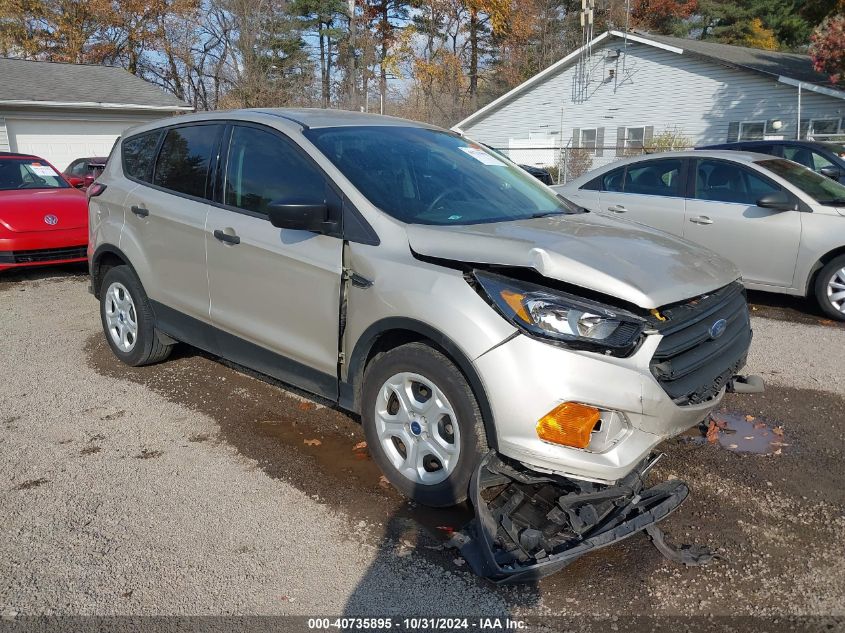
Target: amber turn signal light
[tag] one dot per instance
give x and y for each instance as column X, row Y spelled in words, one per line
column 569, row 424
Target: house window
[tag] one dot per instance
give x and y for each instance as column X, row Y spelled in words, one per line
column 588, row 139
column 634, row 140
column 824, row 127
column 752, row 130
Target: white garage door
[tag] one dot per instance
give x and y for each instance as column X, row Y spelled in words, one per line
column 60, row 142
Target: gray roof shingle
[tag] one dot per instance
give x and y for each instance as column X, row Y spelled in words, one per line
column 792, row 65
column 27, row 80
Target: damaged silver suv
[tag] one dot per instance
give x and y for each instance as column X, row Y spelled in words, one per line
column 411, row 276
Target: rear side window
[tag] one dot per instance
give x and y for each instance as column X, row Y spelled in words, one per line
column 613, row 181
column 139, row 155
column 184, row 159
column 262, row 168
column 654, row 178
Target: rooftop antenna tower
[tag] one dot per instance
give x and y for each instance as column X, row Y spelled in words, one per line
column 587, row 19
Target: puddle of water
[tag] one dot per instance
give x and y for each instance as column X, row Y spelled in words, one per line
column 741, row 433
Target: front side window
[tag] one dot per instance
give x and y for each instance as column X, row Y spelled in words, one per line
column 139, row 155
column 655, row 178
column 29, row 173
column 262, row 168
column 424, row 176
column 613, row 181
column 185, row 156
column 752, row 130
column 822, row 189
column 720, row 181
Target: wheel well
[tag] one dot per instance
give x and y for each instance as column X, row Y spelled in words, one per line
column 823, row 261
column 387, row 340
column 101, row 265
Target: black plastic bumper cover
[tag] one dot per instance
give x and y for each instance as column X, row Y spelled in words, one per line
column 530, row 525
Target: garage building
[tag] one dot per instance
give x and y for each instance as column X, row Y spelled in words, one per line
column 65, row 111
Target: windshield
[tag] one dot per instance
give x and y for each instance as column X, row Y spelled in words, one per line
column 820, row 188
column 28, row 173
column 423, row 176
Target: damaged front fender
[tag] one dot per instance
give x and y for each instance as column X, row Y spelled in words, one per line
column 529, row 525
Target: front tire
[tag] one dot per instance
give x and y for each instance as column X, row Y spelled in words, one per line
column 423, row 424
column 830, row 288
column 128, row 320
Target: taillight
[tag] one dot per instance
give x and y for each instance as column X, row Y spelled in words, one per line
column 95, row 189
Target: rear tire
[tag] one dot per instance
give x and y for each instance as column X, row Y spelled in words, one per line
column 423, row 424
column 830, row 288
column 128, row 320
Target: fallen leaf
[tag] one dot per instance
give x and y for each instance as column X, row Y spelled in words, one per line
column 359, row 446
column 748, row 418
column 827, row 322
column 778, row 430
column 778, row 452
column 713, row 432
column 759, row 425
column 383, row 482
column 307, row 406
column 312, row 442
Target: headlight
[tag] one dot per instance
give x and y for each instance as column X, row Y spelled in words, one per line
column 560, row 317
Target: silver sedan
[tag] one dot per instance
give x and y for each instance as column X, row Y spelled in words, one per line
column 782, row 224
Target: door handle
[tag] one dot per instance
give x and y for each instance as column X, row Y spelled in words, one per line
column 141, row 212
column 701, row 219
column 617, row 208
column 228, row 238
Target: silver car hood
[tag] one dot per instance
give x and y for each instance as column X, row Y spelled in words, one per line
column 615, row 257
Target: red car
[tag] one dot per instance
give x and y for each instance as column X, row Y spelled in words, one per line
column 43, row 219
column 83, row 171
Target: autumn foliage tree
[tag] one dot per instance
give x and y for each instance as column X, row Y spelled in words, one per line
column 661, row 16
column 828, row 47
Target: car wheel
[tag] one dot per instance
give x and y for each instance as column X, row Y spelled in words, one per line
column 128, row 320
column 423, row 424
column 830, row 288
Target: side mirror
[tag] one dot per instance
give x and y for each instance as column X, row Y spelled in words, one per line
column 831, row 171
column 76, row 182
column 777, row 201
column 300, row 216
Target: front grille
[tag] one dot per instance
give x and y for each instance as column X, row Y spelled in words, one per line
column 43, row 255
column 689, row 364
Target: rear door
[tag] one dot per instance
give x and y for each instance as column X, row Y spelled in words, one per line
column 722, row 215
column 166, row 214
column 651, row 193
column 275, row 293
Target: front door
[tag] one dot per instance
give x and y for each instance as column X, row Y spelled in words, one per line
column 723, row 216
column 275, row 293
column 651, row 193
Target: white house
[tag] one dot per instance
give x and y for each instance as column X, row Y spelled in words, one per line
column 621, row 91
column 66, row 111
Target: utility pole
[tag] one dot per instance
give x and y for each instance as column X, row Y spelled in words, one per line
column 352, row 63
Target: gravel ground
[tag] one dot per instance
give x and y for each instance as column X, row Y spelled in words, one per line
column 189, row 488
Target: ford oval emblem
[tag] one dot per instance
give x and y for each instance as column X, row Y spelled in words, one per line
column 718, row 328
column 51, row 219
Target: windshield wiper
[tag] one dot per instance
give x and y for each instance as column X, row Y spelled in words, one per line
column 836, row 202
column 545, row 214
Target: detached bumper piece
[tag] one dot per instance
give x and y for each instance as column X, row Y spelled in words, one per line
column 530, row 525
